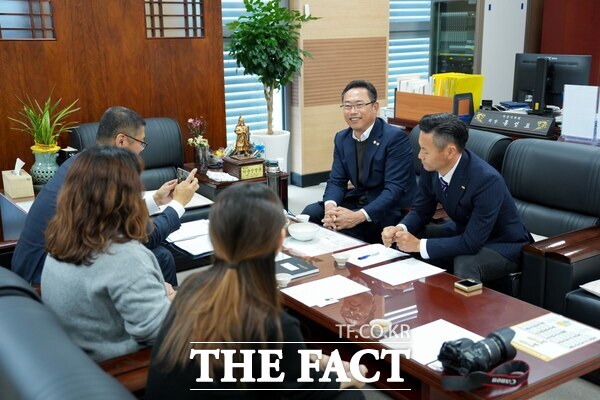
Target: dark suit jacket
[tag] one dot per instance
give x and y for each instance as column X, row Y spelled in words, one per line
column 30, row 253
column 481, row 208
column 388, row 173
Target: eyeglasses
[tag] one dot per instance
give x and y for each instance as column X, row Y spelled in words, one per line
column 357, row 106
column 141, row 142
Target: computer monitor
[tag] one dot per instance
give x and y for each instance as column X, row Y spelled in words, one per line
column 559, row 69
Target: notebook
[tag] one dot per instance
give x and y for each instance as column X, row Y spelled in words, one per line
column 296, row 267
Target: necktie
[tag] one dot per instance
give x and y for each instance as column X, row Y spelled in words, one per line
column 444, row 185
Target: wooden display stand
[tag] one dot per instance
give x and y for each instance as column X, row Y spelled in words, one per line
column 409, row 108
column 248, row 168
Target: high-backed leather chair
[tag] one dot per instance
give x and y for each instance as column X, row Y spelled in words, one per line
column 556, row 187
column 37, row 358
column 489, row 146
column 162, row 156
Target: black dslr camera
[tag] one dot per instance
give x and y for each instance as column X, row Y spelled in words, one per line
column 462, row 356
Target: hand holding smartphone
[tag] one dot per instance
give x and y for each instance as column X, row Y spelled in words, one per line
column 468, row 285
column 182, row 175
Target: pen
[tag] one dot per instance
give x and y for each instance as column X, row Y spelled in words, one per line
column 367, row 256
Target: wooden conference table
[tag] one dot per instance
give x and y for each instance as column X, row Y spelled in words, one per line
column 422, row 302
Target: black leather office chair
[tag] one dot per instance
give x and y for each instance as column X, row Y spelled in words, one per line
column 162, row 156
column 37, row 358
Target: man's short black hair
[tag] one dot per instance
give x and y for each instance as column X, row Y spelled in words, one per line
column 118, row 120
column 362, row 84
column 446, row 128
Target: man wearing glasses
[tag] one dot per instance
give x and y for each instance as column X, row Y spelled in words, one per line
column 376, row 159
column 122, row 127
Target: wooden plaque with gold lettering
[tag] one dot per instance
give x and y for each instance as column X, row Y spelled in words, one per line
column 244, row 168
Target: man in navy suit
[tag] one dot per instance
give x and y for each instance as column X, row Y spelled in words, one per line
column 485, row 234
column 376, row 158
column 119, row 126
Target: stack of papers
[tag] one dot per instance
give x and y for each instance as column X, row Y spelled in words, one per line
column 426, row 340
column 325, row 291
column 192, row 237
column 189, row 230
column 372, row 254
column 197, row 201
column 403, row 271
column 326, row 241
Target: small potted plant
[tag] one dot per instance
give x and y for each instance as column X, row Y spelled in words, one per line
column 197, row 128
column 265, row 43
column 45, row 123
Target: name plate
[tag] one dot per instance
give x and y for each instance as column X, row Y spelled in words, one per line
column 244, row 168
column 512, row 123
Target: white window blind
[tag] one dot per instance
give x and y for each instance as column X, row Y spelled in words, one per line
column 409, row 40
column 243, row 93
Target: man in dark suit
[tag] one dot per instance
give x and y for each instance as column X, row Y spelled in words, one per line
column 485, row 234
column 376, row 158
column 121, row 127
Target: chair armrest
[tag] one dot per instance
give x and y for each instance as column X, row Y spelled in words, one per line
column 534, row 263
column 569, row 267
column 556, row 243
column 131, row 370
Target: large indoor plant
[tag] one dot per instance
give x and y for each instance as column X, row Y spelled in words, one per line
column 45, row 123
column 265, row 43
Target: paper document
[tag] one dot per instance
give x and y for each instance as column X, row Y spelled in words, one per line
column 24, row 205
column 325, row 291
column 198, row 246
column 326, row 241
column 552, row 335
column 426, row 340
column 403, row 271
column 372, row 254
column 579, row 111
column 197, row 201
column 281, row 256
column 189, row 230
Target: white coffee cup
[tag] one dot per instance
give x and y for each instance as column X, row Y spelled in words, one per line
column 302, row 217
column 283, row 279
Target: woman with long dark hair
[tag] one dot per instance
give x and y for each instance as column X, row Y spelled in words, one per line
column 235, row 305
column 105, row 286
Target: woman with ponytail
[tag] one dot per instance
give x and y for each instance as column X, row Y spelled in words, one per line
column 235, row 305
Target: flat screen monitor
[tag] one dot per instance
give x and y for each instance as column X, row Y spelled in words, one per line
column 561, row 69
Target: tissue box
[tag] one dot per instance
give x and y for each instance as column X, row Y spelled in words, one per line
column 17, row 185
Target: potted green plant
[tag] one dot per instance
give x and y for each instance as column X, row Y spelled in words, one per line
column 265, row 43
column 45, row 123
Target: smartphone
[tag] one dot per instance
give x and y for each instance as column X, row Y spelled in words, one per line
column 468, row 285
column 182, row 175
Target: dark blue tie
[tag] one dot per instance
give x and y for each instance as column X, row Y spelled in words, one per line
column 444, row 185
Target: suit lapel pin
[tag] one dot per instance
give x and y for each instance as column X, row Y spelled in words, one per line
column 463, row 188
column 375, row 142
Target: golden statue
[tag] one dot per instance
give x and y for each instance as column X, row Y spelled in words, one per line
column 242, row 142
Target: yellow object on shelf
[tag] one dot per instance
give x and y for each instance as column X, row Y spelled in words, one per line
column 452, row 83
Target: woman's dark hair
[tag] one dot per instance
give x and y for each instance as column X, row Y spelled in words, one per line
column 100, row 202
column 234, row 299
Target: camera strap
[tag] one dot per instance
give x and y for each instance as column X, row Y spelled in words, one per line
column 510, row 374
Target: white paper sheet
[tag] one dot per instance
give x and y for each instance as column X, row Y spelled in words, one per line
column 403, row 271
column 552, row 335
column 197, row 201
column 372, row 254
column 196, row 246
column 24, row 205
column 426, row 340
column 579, row 111
column 325, row 291
column 189, row 230
column 281, row 256
column 326, row 241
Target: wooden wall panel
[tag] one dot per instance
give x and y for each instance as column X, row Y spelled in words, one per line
column 329, row 70
column 573, row 27
column 102, row 57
